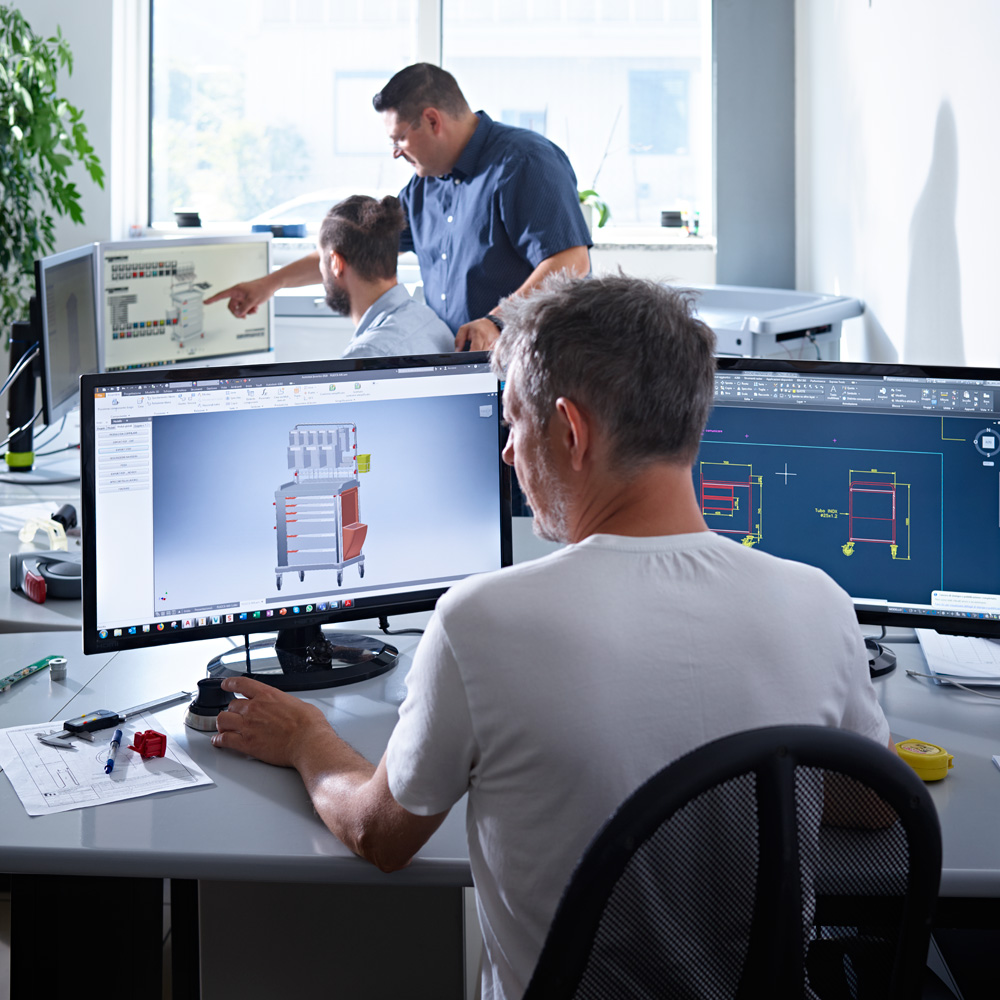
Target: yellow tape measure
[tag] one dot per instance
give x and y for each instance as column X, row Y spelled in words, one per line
column 930, row 761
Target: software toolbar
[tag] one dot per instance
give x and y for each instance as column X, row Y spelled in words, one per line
column 870, row 394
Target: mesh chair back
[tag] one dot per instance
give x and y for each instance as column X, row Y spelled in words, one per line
column 792, row 861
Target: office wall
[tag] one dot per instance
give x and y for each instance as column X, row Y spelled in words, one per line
column 754, row 69
column 87, row 27
column 896, row 154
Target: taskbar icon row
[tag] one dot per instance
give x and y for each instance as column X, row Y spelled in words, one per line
column 208, row 621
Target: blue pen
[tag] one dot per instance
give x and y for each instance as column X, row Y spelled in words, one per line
column 116, row 742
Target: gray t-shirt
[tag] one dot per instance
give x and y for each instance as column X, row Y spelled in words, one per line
column 397, row 325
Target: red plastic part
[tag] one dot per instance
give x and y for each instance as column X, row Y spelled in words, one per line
column 149, row 744
column 34, row 586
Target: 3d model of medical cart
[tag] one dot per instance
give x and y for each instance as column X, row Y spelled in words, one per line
column 186, row 315
column 317, row 514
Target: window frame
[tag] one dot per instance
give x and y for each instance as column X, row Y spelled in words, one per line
column 766, row 139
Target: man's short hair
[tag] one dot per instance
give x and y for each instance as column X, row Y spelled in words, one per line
column 365, row 232
column 420, row 86
column 629, row 352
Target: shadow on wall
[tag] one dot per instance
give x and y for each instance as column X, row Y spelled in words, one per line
column 877, row 345
column 934, row 292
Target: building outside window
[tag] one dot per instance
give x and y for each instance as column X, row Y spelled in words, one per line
column 263, row 112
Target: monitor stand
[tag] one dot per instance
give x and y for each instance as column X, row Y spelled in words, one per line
column 39, row 477
column 307, row 659
column 881, row 659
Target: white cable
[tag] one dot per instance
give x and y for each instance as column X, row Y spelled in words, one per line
column 948, row 680
column 23, row 427
column 26, row 359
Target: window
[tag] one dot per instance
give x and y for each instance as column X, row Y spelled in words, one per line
column 658, row 112
column 262, row 111
column 623, row 86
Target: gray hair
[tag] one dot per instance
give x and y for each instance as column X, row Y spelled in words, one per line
column 628, row 351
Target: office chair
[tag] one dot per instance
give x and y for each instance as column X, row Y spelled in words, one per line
column 791, row 861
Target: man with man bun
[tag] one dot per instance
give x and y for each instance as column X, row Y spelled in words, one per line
column 357, row 260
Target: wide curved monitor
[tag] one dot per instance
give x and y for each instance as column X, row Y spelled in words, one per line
column 152, row 300
column 227, row 501
column 885, row 476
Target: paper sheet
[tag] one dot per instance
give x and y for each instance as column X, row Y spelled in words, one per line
column 50, row 780
column 965, row 658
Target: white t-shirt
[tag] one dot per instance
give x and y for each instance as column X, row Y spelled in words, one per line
column 551, row 690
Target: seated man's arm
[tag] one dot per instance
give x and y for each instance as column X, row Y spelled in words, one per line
column 481, row 334
column 350, row 794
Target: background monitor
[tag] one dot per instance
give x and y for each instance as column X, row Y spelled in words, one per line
column 66, row 289
column 887, row 477
column 227, row 501
column 152, row 296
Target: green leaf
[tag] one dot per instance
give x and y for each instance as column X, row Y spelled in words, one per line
column 36, row 151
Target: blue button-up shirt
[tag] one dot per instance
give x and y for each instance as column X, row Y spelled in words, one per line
column 396, row 325
column 510, row 202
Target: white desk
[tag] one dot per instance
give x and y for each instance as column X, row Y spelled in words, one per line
column 255, row 825
column 17, row 613
column 968, row 799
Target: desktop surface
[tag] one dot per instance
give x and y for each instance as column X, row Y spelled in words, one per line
column 255, row 822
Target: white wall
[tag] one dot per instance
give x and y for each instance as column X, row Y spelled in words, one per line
column 87, row 27
column 896, row 172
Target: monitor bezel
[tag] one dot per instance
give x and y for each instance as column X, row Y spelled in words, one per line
column 117, row 246
column 53, row 410
column 887, row 619
column 422, row 600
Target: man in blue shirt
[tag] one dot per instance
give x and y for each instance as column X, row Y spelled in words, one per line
column 492, row 209
column 358, row 243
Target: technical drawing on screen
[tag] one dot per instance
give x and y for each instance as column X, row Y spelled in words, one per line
column 273, row 494
column 153, row 300
column 885, row 481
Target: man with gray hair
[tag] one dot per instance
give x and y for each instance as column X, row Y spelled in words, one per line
column 550, row 690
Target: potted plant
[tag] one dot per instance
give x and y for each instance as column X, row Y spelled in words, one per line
column 41, row 136
column 590, row 202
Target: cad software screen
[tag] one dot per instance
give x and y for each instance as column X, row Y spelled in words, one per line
column 227, row 504
column 153, row 301
column 888, row 482
column 67, row 289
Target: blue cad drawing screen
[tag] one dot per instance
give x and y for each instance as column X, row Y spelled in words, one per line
column 896, row 506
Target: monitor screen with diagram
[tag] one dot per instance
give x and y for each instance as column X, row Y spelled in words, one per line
column 885, row 477
column 152, row 299
column 230, row 500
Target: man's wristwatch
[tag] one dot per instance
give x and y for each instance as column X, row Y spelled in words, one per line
column 496, row 321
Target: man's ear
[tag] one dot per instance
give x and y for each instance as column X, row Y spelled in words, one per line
column 432, row 119
column 573, row 426
column 337, row 264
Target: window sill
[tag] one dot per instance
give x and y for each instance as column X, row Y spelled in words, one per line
column 649, row 238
